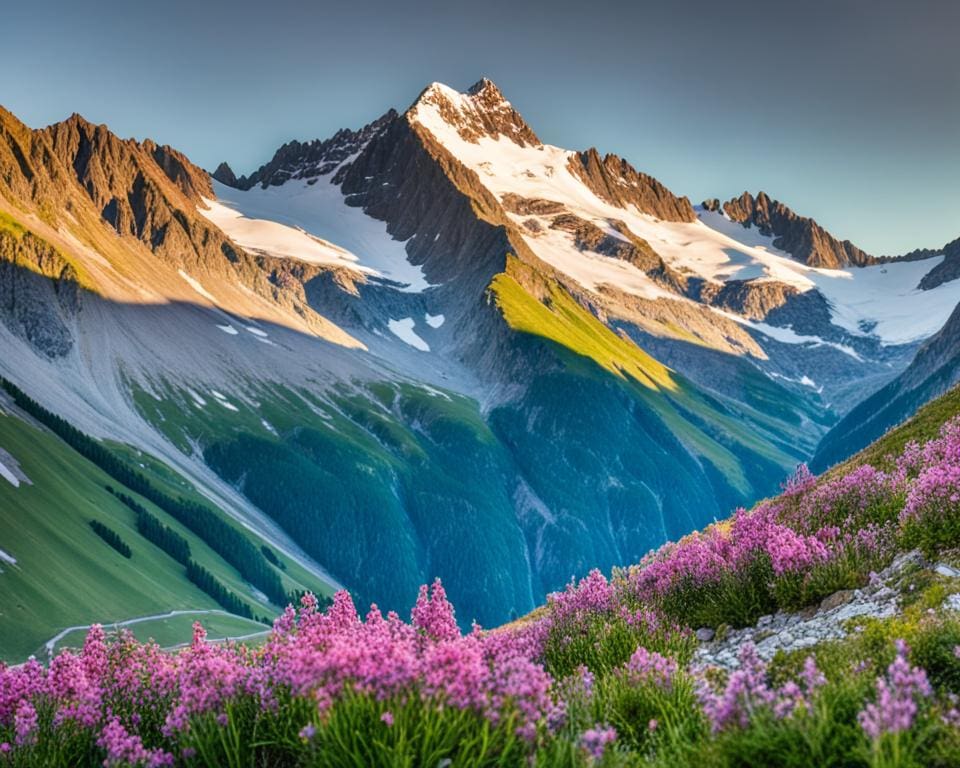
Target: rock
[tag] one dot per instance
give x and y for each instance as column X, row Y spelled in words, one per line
column 913, row 557
column 952, row 602
column 764, row 621
column 883, row 594
column 945, row 271
column 800, row 236
column 225, row 175
column 705, row 634
column 946, row 570
column 754, row 299
column 616, row 181
column 308, row 160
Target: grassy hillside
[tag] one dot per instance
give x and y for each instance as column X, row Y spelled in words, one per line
column 920, row 427
column 65, row 574
column 384, row 483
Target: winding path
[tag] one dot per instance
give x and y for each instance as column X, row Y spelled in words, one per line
column 51, row 644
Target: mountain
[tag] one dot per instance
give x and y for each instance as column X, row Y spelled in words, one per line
column 800, row 236
column 934, row 371
column 432, row 346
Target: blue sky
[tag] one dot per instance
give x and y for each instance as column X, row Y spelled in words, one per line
column 849, row 110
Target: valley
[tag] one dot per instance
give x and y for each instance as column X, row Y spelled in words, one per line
column 430, row 347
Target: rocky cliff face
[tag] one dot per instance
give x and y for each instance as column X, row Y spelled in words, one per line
column 613, row 179
column 482, row 112
column 39, row 292
column 799, row 236
column 750, row 298
column 947, row 270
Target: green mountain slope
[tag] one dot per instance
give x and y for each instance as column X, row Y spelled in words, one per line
column 66, row 575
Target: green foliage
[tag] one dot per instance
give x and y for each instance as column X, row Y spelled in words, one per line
column 933, row 528
column 606, row 643
column 213, row 587
column 647, row 715
column 739, row 599
column 153, row 530
column 112, row 538
column 354, row 734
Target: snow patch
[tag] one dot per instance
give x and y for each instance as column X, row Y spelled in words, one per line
column 222, row 399
column 884, row 300
column 403, row 330
column 195, row 284
column 228, row 329
column 787, row 335
column 804, row 380
column 7, row 558
column 434, row 392
column 257, row 332
column 8, row 475
column 311, row 222
column 434, row 321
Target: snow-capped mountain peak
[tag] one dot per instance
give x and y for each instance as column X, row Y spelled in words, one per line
column 481, row 111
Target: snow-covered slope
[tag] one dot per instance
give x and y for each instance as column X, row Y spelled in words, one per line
column 310, row 222
column 881, row 301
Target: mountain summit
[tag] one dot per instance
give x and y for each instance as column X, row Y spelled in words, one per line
column 481, row 112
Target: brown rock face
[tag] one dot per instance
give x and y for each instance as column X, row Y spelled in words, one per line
column 799, row 236
column 587, row 236
column 613, row 179
column 529, row 206
column 39, row 292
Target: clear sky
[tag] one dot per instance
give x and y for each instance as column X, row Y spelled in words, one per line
column 847, row 110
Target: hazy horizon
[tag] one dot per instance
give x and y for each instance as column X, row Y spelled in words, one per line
column 846, row 111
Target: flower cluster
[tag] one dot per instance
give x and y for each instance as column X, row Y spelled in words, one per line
column 748, row 691
column 650, row 668
column 315, row 656
column 898, row 697
column 596, row 740
column 625, row 639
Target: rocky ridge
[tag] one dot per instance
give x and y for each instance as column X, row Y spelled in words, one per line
column 307, row 160
column 613, row 179
column 800, row 236
column 831, row 620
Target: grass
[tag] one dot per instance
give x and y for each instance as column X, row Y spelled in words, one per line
column 922, row 426
column 561, row 320
column 698, row 420
column 65, row 574
column 10, row 224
